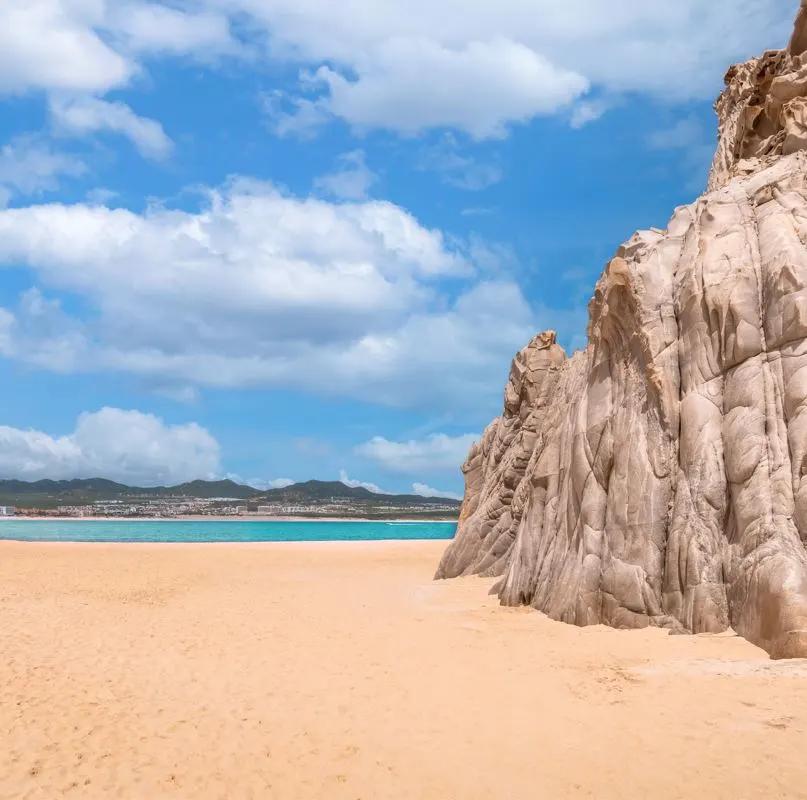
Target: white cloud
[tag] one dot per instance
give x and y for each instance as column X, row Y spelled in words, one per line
column 55, row 44
column 480, row 67
column 92, row 45
column 30, row 166
column 423, row 490
column 80, row 116
column 125, row 446
column 351, row 180
column 263, row 289
column 353, row 484
column 437, row 452
column 407, row 67
column 411, row 85
column 153, row 28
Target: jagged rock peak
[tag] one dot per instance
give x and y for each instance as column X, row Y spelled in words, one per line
column 495, row 466
column 659, row 477
column 762, row 113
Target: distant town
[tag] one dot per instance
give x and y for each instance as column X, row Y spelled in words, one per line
column 312, row 499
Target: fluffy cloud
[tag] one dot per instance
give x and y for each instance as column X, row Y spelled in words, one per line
column 437, row 452
column 354, row 484
column 427, row 491
column 84, row 115
column 93, row 45
column 410, row 85
column 476, row 67
column 259, row 288
column 480, row 67
column 125, row 446
column 55, row 44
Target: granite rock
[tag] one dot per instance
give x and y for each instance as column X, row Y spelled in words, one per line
column 659, row 477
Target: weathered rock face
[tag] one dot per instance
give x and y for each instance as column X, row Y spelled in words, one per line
column 659, row 477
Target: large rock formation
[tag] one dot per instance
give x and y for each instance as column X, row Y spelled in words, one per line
column 659, row 477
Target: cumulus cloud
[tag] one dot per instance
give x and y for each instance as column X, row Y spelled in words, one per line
column 56, row 44
column 351, row 180
column 259, row 288
column 423, row 490
column 93, row 47
column 407, row 67
column 513, row 84
column 480, row 67
column 354, row 484
column 85, row 115
column 437, row 452
column 125, row 446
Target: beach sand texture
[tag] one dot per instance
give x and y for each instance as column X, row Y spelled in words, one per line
column 342, row 671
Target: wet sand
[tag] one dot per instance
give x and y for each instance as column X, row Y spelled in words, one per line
column 319, row 671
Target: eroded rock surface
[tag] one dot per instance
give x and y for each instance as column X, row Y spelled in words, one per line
column 659, row 477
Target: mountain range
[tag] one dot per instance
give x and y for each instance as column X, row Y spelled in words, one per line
column 49, row 493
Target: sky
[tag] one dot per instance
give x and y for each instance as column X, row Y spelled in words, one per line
column 276, row 240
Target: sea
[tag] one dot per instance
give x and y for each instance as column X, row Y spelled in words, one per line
column 178, row 531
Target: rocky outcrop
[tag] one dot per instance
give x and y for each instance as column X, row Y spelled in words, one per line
column 494, row 471
column 763, row 111
column 659, row 477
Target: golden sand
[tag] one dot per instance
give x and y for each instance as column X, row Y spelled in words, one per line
column 319, row 671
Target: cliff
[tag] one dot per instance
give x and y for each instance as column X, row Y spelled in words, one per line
column 659, row 477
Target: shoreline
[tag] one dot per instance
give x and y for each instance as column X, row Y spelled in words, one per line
column 357, row 546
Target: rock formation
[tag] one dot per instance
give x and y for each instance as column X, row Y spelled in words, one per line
column 659, row 477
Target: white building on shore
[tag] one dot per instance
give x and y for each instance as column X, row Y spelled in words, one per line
column 7, row 511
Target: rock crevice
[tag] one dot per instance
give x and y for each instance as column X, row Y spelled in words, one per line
column 659, row 477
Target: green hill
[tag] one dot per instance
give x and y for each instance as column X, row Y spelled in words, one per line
column 50, row 494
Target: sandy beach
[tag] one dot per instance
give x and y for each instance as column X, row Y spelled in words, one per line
column 341, row 671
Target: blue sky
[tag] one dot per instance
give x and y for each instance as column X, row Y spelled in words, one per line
column 285, row 239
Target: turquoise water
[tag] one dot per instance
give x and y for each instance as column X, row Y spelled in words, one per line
column 219, row 531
